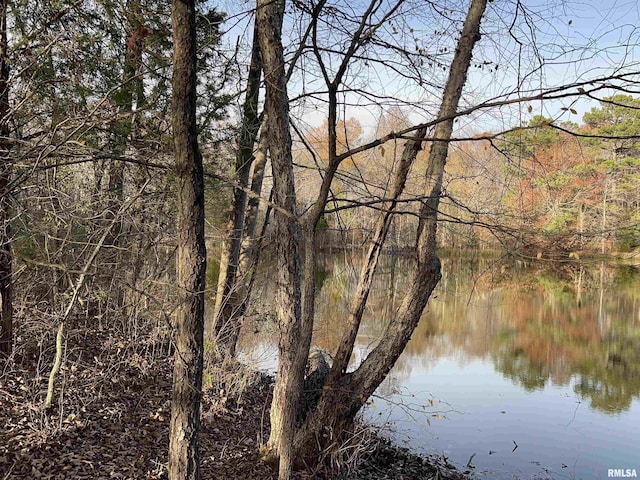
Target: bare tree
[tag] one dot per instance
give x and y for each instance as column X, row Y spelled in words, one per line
column 184, row 456
column 344, row 393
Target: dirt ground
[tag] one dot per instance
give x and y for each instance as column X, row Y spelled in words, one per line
column 110, row 419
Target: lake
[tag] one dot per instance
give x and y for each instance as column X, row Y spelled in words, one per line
column 516, row 370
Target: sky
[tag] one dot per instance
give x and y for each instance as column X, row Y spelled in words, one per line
column 526, row 46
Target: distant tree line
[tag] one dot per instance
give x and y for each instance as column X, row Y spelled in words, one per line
column 132, row 138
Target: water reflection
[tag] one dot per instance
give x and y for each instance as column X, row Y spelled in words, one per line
column 538, row 341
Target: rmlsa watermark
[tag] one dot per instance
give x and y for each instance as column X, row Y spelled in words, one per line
column 622, row 473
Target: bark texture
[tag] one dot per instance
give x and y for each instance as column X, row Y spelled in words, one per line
column 191, row 255
column 269, row 17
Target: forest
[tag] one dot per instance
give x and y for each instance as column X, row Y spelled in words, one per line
column 160, row 159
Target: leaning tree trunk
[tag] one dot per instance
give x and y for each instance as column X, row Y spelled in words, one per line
column 359, row 302
column 226, row 311
column 6, row 310
column 269, row 17
column 184, row 454
column 345, row 393
column 250, row 247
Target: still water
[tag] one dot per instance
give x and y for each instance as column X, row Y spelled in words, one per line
column 515, row 370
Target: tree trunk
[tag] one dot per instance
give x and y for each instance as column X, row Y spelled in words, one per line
column 359, row 302
column 191, row 254
column 140, row 240
column 226, row 315
column 250, row 249
column 6, row 310
column 269, row 18
column 345, row 393
column 120, row 135
column 247, row 249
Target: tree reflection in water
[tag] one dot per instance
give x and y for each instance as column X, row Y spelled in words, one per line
column 539, row 323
